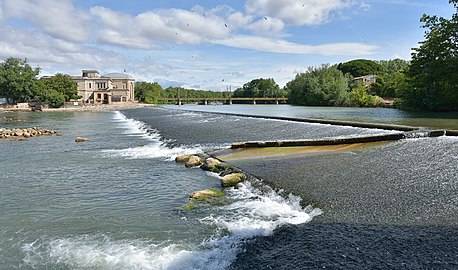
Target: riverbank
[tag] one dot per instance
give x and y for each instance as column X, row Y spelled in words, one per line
column 85, row 108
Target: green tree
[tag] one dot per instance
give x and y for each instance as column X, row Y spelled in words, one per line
column 17, row 80
column 48, row 96
column 392, row 66
column 175, row 92
column 63, row 84
column 320, row 86
column 259, row 88
column 432, row 79
column 53, row 98
column 359, row 67
column 359, row 96
column 390, row 78
column 148, row 92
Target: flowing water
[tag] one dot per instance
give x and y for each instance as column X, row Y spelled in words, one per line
column 444, row 120
column 116, row 202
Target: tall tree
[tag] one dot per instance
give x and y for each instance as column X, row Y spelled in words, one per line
column 432, row 80
column 64, row 84
column 17, row 80
column 259, row 88
column 320, row 86
column 148, row 92
column 359, row 67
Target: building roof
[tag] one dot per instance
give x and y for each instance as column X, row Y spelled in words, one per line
column 117, row 75
column 365, row 76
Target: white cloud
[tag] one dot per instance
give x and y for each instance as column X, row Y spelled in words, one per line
column 264, row 27
column 282, row 46
column 150, row 29
column 238, row 20
column 59, row 19
column 304, row 12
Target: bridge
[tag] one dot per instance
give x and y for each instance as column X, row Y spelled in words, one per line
column 227, row 100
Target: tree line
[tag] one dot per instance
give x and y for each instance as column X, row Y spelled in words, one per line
column 428, row 82
column 19, row 83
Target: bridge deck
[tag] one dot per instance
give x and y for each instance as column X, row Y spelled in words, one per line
column 222, row 98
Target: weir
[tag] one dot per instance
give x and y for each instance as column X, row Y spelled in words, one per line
column 341, row 141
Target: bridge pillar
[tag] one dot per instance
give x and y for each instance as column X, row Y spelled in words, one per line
column 254, row 101
column 179, row 102
column 276, row 102
column 205, row 102
column 230, row 101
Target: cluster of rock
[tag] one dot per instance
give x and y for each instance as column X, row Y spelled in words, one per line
column 229, row 177
column 20, row 133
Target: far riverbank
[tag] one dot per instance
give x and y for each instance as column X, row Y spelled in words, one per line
column 85, row 108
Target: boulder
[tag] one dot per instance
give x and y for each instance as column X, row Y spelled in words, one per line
column 193, row 161
column 211, row 164
column 81, row 139
column 183, row 158
column 231, row 180
column 204, row 195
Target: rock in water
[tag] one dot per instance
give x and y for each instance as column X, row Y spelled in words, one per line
column 231, row 180
column 211, row 164
column 81, row 139
column 193, row 161
column 183, row 158
column 205, row 194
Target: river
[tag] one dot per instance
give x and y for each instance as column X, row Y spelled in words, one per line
column 116, row 202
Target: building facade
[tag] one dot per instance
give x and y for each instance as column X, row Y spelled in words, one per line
column 366, row 80
column 106, row 89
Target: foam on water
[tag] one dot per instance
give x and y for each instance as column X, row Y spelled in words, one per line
column 155, row 147
column 253, row 213
column 253, row 210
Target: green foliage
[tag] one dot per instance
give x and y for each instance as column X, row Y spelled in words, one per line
column 148, row 92
column 359, row 96
column 360, row 67
column 63, row 84
column 53, row 98
column 432, row 80
column 321, row 86
column 392, row 66
column 260, row 88
column 17, row 80
column 175, row 92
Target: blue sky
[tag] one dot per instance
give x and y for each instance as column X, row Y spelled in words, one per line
column 212, row 45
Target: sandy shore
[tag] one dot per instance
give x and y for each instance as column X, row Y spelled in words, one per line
column 88, row 108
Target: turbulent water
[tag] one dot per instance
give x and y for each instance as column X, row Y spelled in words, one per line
column 116, row 202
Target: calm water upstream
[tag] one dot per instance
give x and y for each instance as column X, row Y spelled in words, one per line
column 116, row 202
column 375, row 115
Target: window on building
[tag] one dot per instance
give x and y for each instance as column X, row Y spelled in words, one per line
column 90, row 85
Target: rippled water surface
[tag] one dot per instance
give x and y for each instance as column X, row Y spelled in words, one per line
column 116, row 202
column 375, row 115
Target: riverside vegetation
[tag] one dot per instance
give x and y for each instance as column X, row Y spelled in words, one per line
column 428, row 82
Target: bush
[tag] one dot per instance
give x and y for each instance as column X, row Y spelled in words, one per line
column 53, row 98
column 360, row 97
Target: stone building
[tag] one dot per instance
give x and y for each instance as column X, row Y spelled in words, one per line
column 106, row 89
